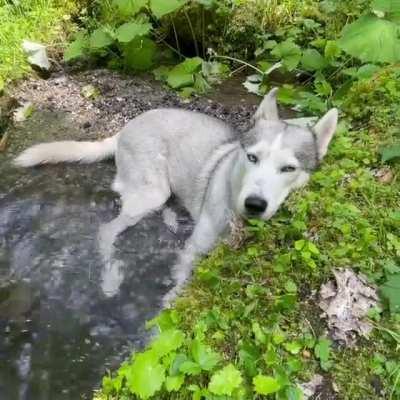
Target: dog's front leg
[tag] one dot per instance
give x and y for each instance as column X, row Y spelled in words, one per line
column 203, row 239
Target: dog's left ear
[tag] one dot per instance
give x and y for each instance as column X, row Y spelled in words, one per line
column 324, row 130
column 268, row 108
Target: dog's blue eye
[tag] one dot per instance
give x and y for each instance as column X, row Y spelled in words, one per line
column 288, row 168
column 252, row 158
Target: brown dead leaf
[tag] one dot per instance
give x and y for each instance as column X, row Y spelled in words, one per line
column 345, row 303
column 384, row 175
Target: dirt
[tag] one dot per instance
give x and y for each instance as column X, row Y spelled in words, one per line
column 123, row 97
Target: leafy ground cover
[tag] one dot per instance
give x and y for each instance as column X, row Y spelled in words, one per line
column 36, row 20
column 248, row 326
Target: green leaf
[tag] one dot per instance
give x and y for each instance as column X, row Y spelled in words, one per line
column 390, row 9
column 390, row 290
column 76, row 48
column 371, row 39
column 367, row 71
column 204, row 356
column 161, row 73
column 290, row 286
column 129, row 31
column 258, row 333
column 167, row 341
column 100, row 39
column 299, row 244
column 128, row 8
column 294, row 393
column 146, row 375
column 293, row 347
column 332, row 50
column 167, row 319
column 322, row 351
column 162, row 7
column 139, row 54
column 390, row 152
column 174, row 383
column 190, row 368
column 265, row 384
column 312, row 60
column 225, row 381
column 289, row 53
column 183, row 74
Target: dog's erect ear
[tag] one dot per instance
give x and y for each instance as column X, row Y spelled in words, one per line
column 324, row 130
column 268, row 108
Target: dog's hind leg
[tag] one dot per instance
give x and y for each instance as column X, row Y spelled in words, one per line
column 134, row 207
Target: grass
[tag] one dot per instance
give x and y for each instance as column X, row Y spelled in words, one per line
column 44, row 21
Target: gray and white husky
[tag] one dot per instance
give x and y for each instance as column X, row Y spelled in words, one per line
column 215, row 172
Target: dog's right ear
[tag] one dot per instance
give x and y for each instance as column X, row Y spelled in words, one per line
column 268, row 108
column 324, row 130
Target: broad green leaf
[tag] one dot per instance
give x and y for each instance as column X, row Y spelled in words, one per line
column 162, row 7
column 294, row 393
column 258, row 332
column 312, row 60
column 174, row 383
column 146, row 375
column 183, row 74
column 293, row 347
column 391, row 291
column 190, row 368
column 167, row 341
column 372, row 39
column 366, row 71
column 100, row 39
column 265, row 384
column 139, row 54
column 128, row 8
column 322, row 351
column 76, row 48
column 332, row 50
column 389, row 8
column 390, row 152
column 291, row 286
column 289, row 53
column 248, row 356
column 161, row 73
column 130, row 30
column 167, row 319
column 204, row 356
column 201, row 85
column 225, row 381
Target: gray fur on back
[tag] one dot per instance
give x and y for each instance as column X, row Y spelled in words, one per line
column 178, row 140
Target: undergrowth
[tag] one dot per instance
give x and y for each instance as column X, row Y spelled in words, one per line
column 249, row 326
column 44, row 21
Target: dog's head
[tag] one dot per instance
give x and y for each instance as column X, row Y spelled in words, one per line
column 279, row 157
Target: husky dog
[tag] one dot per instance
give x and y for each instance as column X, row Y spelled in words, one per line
column 215, row 172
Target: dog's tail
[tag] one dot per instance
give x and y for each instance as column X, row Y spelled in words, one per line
column 67, row 151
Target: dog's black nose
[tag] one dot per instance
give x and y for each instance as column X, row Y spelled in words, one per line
column 255, row 205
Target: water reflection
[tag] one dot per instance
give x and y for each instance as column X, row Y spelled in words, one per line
column 65, row 316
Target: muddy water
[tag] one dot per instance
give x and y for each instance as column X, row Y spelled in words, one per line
column 64, row 317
